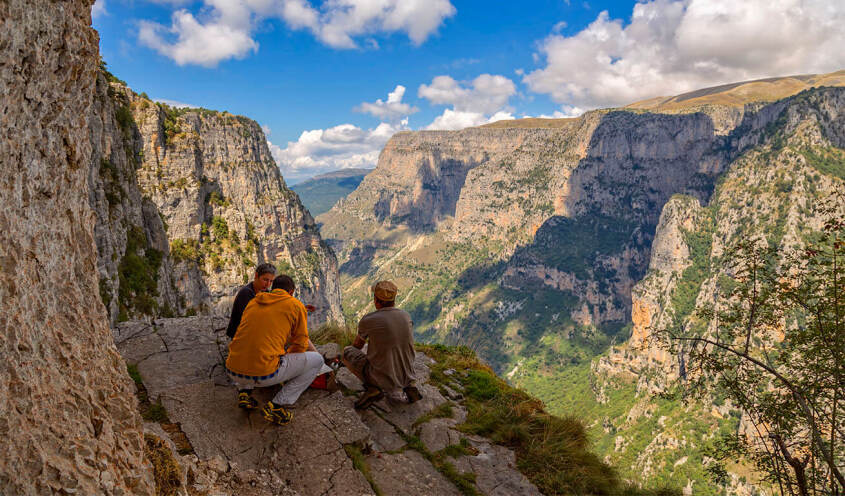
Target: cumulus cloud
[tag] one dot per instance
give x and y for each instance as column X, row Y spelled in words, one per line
column 339, row 147
column 672, row 46
column 223, row 29
column 204, row 44
column 391, row 110
column 484, row 98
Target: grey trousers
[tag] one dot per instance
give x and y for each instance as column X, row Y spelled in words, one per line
column 296, row 370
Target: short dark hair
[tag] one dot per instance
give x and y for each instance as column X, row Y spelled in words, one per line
column 285, row 282
column 385, row 303
column 265, row 268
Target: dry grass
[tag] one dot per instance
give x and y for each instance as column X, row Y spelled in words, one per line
column 533, row 123
column 334, row 332
column 168, row 477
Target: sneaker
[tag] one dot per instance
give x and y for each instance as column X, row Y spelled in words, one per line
column 368, row 397
column 247, row 402
column 413, row 394
column 276, row 414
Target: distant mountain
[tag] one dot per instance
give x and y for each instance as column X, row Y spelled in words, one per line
column 320, row 193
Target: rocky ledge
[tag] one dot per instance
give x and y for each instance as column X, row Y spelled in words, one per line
column 328, row 448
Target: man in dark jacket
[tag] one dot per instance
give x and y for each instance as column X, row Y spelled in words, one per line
column 264, row 275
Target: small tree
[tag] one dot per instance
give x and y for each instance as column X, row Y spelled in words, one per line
column 775, row 345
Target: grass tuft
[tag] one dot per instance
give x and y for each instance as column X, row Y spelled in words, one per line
column 359, row 461
column 155, row 413
column 168, row 477
column 133, row 373
column 443, row 410
column 333, row 332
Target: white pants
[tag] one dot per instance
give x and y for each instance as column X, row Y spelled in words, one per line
column 296, row 370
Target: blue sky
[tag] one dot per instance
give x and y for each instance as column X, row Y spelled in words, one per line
column 318, row 74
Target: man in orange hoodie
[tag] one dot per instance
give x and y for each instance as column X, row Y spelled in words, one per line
column 271, row 346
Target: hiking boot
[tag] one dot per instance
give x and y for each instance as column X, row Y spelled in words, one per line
column 413, row 394
column 276, row 414
column 368, row 397
column 246, row 401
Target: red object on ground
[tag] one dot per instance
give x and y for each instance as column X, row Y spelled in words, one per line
column 321, row 381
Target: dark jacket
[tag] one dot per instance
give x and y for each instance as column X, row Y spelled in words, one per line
column 245, row 294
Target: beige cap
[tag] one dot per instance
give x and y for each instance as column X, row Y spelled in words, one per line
column 384, row 290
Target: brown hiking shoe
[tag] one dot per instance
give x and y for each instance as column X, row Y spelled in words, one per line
column 368, row 397
column 412, row 393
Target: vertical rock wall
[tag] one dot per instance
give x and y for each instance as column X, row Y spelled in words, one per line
column 136, row 275
column 188, row 201
column 67, row 413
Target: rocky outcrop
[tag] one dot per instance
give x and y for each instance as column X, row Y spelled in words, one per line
column 69, row 421
column 328, row 447
column 188, row 202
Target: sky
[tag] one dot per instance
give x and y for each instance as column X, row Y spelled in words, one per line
column 331, row 80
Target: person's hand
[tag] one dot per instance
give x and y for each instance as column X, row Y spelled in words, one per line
column 310, row 308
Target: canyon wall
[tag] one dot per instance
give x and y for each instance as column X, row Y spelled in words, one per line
column 188, row 202
column 557, row 252
column 69, row 421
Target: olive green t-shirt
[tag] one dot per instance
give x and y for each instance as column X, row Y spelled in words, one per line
column 390, row 350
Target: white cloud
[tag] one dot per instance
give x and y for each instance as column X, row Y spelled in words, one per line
column 175, row 103
column 98, row 9
column 339, row 147
column 391, row 110
column 452, row 120
column 223, row 29
column 197, row 43
column 565, row 111
column 472, row 104
column 674, row 46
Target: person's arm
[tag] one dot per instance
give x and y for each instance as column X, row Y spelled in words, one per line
column 241, row 301
column 360, row 338
column 299, row 334
column 311, row 346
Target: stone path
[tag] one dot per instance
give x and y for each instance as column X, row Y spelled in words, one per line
column 180, row 361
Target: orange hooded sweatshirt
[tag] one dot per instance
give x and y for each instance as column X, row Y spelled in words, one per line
column 270, row 322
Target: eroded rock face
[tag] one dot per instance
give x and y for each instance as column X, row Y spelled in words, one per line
column 69, row 421
column 180, row 361
column 136, row 273
column 188, row 202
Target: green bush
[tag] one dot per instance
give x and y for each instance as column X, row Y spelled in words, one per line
column 138, row 275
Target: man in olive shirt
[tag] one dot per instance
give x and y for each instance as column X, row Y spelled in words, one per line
column 388, row 365
column 264, row 275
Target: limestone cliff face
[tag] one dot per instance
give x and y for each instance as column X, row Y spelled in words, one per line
column 136, row 275
column 768, row 194
column 199, row 202
column 492, row 182
column 69, row 422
